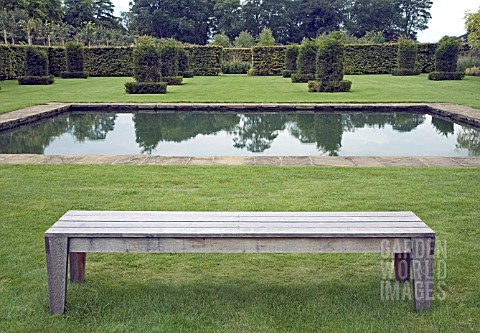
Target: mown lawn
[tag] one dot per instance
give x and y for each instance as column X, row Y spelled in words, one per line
column 241, row 88
column 235, row 293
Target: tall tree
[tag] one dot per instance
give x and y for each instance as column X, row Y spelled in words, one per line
column 186, row 20
column 414, row 16
column 78, row 12
column 103, row 13
column 362, row 16
column 45, row 9
column 320, row 16
column 227, row 13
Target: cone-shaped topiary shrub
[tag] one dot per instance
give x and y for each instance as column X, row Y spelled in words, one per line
column 446, row 57
column 147, row 69
column 305, row 62
column 36, row 68
column 329, row 66
column 74, row 55
column 406, row 57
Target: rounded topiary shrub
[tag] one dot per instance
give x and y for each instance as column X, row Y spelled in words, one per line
column 329, row 66
column 307, row 53
column 446, row 57
column 36, row 67
column 74, row 55
column 406, row 58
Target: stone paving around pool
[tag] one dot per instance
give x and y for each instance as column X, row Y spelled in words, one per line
column 458, row 113
column 414, row 162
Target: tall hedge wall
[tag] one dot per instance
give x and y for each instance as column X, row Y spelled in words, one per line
column 109, row 61
column 236, row 54
column 205, row 60
column 12, row 62
column 268, row 60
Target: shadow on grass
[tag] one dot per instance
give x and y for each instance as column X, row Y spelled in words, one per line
column 236, row 305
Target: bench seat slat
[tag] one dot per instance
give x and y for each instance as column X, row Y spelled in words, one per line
column 183, row 215
column 269, row 219
column 237, row 225
column 243, row 232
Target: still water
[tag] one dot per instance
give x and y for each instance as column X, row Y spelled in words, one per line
column 237, row 134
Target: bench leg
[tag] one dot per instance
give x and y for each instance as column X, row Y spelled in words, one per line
column 402, row 266
column 78, row 261
column 56, row 249
column 422, row 271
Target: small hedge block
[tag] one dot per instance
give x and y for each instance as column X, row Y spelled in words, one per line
column 36, row 80
column 302, row 78
column 187, row 74
column 287, row 73
column 146, row 87
column 405, row 72
column 239, row 67
column 442, row 76
column 73, row 75
column 173, row 80
column 342, row 86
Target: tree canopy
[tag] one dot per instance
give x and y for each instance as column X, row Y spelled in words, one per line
column 198, row 21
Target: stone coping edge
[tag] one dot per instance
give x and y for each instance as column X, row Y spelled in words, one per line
column 271, row 161
column 458, row 113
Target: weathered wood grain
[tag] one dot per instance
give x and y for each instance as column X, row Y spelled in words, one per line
column 238, row 245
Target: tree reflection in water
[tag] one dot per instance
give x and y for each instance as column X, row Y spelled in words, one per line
column 469, row 139
column 256, row 132
column 153, row 128
column 253, row 132
column 34, row 138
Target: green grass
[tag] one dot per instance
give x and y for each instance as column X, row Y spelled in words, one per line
column 241, row 88
column 234, row 293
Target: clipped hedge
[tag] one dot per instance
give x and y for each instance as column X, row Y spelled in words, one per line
column 57, row 62
column 205, row 60
column 109, row 61
column 36, row 80
column 172, row 80
column 75, row 56
column 268, row 60
column 406, row 58
column 446, row 58
column 329, row 66
column 237, row 54
column 169, row 59
column 238, row 67
column 12, row 61
column 145, row 87
column 291, row 55
column 306, row 62
column 36, row 62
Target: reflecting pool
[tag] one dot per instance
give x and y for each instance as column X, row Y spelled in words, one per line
column 244, row 134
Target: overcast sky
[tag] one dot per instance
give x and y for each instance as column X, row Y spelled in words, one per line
column 447, row 17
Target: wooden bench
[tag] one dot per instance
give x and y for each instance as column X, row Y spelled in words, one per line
column 79, row 232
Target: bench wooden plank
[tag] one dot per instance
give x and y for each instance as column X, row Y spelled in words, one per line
column 204, row 224
column 234, row 214
column 243, row 232
column 239, row 245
